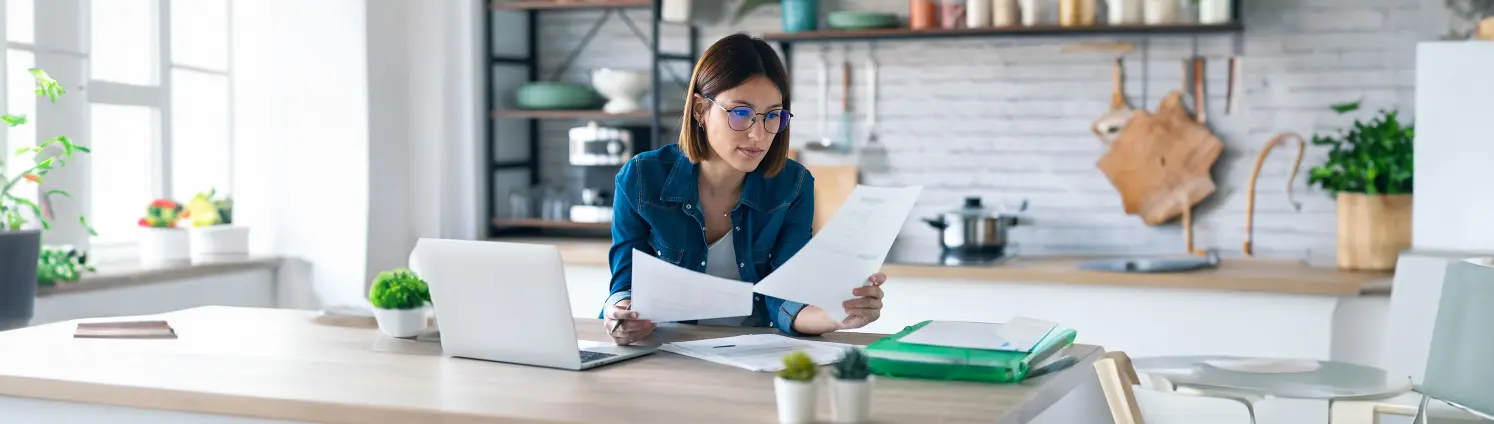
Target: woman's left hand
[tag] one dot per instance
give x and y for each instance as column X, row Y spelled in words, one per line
column 867, row 306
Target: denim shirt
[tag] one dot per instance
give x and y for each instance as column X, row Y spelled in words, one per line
column 656, row 209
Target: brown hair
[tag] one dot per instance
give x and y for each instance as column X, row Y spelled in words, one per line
column 729, row 63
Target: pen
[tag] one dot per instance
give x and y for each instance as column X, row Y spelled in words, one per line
column 619, row 322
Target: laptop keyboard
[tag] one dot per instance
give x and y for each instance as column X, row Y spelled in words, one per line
column 587, row 356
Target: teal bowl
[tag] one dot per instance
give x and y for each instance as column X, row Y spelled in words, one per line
column 556, row 95
column 845, row 19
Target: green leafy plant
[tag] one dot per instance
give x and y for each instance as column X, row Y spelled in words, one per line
column 207, row 209
column 14, row 209
column 852, row 365
column 161, row 213
column 399, row 289
column 60, row 264
column 797, row 366
column 1372, row 157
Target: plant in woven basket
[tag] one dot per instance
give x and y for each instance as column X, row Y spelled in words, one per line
column 1371, row 158
column 852, row 365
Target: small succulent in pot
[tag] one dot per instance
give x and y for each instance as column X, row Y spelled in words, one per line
column 852, row 366
column 797, row 366
column 399, row 298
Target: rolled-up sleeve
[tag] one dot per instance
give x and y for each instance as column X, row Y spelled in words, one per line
column 797, row 229
column 629, row 231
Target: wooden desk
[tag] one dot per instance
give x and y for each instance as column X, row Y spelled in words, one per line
column 290, row 365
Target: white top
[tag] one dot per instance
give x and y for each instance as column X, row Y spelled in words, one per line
column 721, row 261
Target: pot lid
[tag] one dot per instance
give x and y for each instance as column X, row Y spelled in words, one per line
column 973, row 208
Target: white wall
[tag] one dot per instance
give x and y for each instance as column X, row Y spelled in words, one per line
column 353, row 117
column 425, row 118
column 301, row 152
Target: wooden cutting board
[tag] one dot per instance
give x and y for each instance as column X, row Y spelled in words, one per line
column 1160, row 163
column 832, row 186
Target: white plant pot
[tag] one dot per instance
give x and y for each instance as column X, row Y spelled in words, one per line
column 402, row 323
column 795, row 400
column 164, row 246
column 850, row 400
column 219, row 242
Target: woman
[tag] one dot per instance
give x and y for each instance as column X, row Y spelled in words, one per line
column 725, row 200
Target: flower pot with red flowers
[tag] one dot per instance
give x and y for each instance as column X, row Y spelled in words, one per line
column 161, row 242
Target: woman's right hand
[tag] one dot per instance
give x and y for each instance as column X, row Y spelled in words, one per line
column 632, row 329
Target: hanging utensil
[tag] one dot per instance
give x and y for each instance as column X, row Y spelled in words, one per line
column 1199, row 103
column 846, row 122
column 1250, row 196
column 1234, row 78
column 1109, row 126
column 873, row 154
column 823, row 69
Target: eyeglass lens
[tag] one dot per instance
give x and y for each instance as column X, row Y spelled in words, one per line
column 740, row 118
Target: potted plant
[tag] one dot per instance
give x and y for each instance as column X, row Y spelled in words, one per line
column 20, row 236
column 161, row 241
column 60, row 264
column 399, row 298
column 213, row 235
column 850, row 399
column 1369, row 168
column 795, row 389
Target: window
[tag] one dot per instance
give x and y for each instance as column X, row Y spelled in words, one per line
column 155, row 76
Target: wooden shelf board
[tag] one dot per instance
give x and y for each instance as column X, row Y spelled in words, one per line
column 566, row 4
column 1021, row 31
column 575, row 114
column 549, row 223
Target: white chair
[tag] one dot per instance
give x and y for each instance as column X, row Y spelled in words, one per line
column 1429, row 313
column 1131, row 403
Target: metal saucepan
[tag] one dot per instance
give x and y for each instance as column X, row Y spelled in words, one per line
column 973, row 229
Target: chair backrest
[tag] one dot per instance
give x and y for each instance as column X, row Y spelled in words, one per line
column 1460, row 361
column 1131, row 404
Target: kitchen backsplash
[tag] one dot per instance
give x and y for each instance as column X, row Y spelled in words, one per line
column 1007, row 119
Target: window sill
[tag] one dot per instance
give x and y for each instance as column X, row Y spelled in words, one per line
column 118, row 275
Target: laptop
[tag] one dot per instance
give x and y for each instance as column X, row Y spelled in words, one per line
column 508, row 302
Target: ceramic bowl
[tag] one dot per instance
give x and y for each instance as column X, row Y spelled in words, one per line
column 623, row 89
column 555, row 95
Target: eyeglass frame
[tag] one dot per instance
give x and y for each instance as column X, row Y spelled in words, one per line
column 754, row 115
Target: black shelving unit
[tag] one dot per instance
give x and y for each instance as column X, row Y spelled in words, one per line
column 532, row 9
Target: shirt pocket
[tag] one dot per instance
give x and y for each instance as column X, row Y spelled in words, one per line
column 664, row 252
column 762, row 259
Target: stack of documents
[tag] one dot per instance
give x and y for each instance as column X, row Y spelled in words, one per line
column 1017, row 335
column 756, row 352
column 974, row 351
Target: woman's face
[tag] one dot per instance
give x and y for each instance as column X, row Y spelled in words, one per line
column 743, row 150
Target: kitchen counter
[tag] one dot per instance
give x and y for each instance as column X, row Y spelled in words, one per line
column 1280, row 276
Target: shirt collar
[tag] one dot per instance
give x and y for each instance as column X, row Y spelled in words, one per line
column 682, row 185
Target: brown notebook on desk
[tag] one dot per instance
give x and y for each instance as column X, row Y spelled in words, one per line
column 125, row 330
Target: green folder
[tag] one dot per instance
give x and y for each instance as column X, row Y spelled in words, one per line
column 893, row 358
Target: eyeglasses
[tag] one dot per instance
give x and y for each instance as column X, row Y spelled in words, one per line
column 741, row 118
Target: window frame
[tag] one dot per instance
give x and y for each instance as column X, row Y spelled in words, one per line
column 78, row 33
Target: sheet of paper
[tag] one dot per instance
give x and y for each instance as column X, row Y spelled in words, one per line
column 663, row 292
column 845, row 252
column 756, row 352
column 1024, row 333
column 1018, row 334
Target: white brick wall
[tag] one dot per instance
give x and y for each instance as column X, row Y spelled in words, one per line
column 1008, row 118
